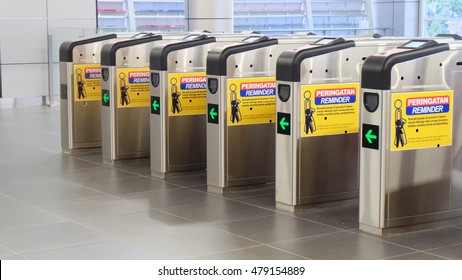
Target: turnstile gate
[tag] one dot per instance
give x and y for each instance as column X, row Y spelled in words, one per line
column 318, row 119
column 178, row 102
column 411, row 138
column 80, row 90
column 241, row 115
column 125, row 97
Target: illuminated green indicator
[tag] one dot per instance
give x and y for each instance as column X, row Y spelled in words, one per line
column 283, row 123
column 369, row 136
column 155, row 105
column 213, row 114
column 106, row 97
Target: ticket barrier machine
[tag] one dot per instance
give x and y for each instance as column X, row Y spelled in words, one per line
column 411, row 138
column 318, row 119
column 241, row 110
column 80, row 90
column 125, row 97
column 178, row 102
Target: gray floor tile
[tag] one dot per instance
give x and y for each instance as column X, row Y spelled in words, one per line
column 342, row 214
column 105, row 250
column 91, row 156
column 428, row 239
column 5, row 252
column 8, row 203
column 26, row 216
column 129, row 185
column 255, row 253
column 50, row 236
column 275, row 228
column 55, row 193
column 250, row 191
column 95, row 207
column 218, row 212
column 11, row 170
column 140, row 166
column 12, row 258
column 189, row 181
column 190, row 243
column 27, row 180
column 170, row 198
column 87, row 176
column 137, row 223
column 417, row 256
column 452, row 252
column 58, row 164
column 342, row 246
column 266, row 201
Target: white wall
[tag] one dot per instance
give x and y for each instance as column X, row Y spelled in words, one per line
column 401, row 17
column 24, row 29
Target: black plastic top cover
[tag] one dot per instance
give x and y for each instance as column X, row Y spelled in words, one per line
column 67, row 47
column 376, row 70
column 108, row 52
column 217, row 59
column 159, row 55
column 454, row 36
column 289, row 62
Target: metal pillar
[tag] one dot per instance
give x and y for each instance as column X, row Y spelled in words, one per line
column 211, row 15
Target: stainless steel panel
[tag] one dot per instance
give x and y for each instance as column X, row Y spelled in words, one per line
column 216, row 140
column 87, row 124
column 328, row 167
column 416, row 187
column 250, row 154
column 421, row 185
column 186, row 145
column 66, row 133
column 108, row 127
column 372, row 189
column 286, row 154
column 132, row 135
column 158, row 129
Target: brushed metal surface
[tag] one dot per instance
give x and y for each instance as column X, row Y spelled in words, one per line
column 286, row 154
column 328, row 165
column 251, row 153
column 421, row 185
column 87, row 124
column 80, row 121
column 187, row 139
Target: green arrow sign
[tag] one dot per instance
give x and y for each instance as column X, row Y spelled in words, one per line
column 369, row 136
column 106, row 97
column 283, row 123
column 213, row 114
column 155, row 105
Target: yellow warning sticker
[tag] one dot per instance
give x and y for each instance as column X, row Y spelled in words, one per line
column 251, row 101
column 421, row 120
column 328, row 109
column 87, row 82
column 187, row 94
column 133, row 89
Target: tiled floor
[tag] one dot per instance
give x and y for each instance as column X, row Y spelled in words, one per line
column 54, row 206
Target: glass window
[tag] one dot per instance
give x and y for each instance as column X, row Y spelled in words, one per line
column 442, row 16
column 140, row 15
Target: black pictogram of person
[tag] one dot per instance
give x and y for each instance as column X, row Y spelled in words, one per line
column 80, row 85
column 235, row 112
column 400, row 132
column 310, row 124
column 124, row 95
column 176, row 102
